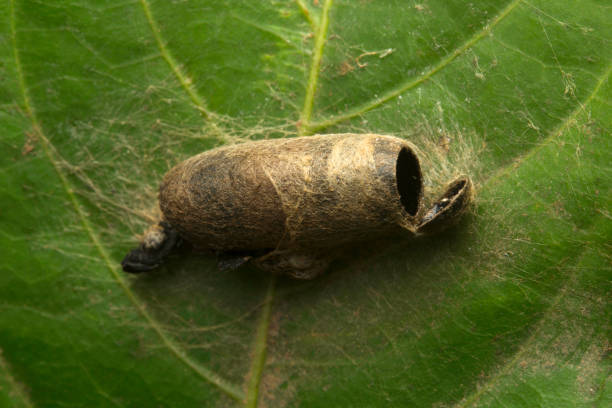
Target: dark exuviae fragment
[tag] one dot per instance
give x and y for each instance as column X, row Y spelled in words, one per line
column 290, row 206
column 158, row 242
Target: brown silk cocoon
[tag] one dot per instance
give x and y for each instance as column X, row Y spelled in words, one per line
column 289, row 205
column 311, row 192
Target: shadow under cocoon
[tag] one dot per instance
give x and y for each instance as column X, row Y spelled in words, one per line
column 409, row 180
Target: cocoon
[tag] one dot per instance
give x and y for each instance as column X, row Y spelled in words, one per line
column 289, row 204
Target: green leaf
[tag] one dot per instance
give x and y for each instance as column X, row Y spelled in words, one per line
column 510, row 308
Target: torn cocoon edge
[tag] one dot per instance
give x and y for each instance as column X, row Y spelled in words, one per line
column 449, row 208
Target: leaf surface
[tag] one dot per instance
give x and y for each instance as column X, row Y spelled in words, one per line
column 510, row 308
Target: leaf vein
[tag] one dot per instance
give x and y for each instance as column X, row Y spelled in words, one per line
column 260, row 348
column 307, row 15
column 565, row 288
column 183, row 79
column 412, row 83
column 50, row 153
column 556, row 132
column 527, row 344
column 17, row 390
column 315, row 66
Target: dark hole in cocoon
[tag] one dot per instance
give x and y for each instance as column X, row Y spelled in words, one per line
column 408, row 176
